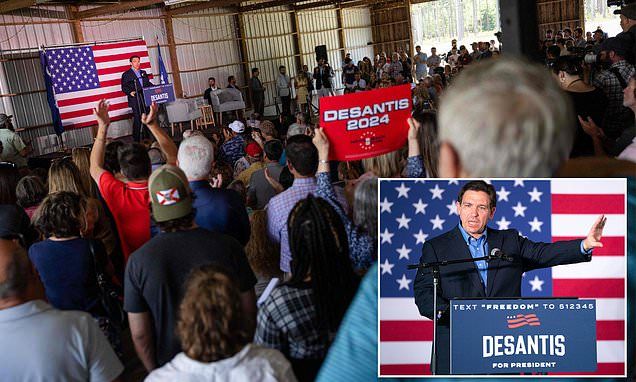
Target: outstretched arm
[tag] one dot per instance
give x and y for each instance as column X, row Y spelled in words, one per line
column 99, row 147
column 166, row 144
column 593, row 239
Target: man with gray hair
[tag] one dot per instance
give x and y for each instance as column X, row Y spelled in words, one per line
column 217, row 210
column 39, row 342
column 530, row 135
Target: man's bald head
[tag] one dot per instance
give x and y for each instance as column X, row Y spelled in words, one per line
column 14, row 269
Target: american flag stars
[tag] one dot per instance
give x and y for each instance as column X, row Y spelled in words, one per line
column 414, row 211
column 71, row 65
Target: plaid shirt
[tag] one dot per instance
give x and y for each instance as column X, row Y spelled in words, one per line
column 287, row 321
column 617, row 116
column 278, row 211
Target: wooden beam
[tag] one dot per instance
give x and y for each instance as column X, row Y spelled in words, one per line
column 76, row 24
column 201, row 7
column 266, row 4
column 295, row 43
column 324, row 3
column 174, row 61
column 37, row 13
column 240, row 34
column 12, row 5
column 341, row 35
column 411, row 49
column 115, row 8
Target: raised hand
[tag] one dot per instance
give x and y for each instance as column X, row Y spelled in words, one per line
column 151, row 117
column 414, row 129
column 273, row 182
column 593, row 239
column 321, row 142
column 590, row 127
column 101, row 113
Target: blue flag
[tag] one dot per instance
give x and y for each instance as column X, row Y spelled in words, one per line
column 50, row 96
column 163, row 74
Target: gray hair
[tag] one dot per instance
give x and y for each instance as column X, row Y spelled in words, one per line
column 507, row 118
column 365, row 206
column 195, row 157
column 14, row 279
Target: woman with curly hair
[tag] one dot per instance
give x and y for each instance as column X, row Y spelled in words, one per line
column 213, row 337
column 300, row 317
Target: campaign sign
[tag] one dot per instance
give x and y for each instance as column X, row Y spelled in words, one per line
column 159, row 94
column 366, row 124
column 522, row 336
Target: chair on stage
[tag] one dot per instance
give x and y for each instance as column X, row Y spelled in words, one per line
column 182, row 111
column 227, row 100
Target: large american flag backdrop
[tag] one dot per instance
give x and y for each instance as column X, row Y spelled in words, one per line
column 413, row 211
column 82, row 75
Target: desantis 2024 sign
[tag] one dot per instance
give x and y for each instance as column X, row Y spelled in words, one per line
column 366, row 124
column 516, row 336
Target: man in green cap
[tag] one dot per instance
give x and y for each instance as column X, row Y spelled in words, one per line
column 157, row 271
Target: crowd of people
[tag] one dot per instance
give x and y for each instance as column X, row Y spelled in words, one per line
column 597, row 73
column 433, row 72
column 246, row 253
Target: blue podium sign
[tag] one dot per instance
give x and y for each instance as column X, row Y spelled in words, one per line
column 522, row 336
column 159, row 94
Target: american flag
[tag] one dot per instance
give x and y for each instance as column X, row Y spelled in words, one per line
column 522, row 320
column 83, row 75
column 413, row 211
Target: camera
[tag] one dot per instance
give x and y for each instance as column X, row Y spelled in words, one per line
column 586, row 55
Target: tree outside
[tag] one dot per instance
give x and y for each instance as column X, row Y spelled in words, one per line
column 598, row 14
column 436, row 23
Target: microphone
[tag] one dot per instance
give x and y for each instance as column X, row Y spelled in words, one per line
column 497, row 253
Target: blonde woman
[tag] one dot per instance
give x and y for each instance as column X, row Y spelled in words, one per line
column 65, row 176
column 301, row 85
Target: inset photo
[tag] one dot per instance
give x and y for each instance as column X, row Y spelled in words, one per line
column 502, row 276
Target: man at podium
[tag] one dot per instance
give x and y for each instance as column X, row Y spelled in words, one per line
column 501, row 277
column 133, row 82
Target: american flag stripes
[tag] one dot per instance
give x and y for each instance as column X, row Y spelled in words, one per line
column 522, row 320
column 83, row 75
column 413, row 211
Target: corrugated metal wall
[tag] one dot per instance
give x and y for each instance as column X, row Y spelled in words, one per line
column 320, row 27
column 21, row 82
column 207, row 45
column 269, row 42
column 356, row 23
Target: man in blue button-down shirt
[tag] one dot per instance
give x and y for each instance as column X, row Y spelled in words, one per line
column 476, row 206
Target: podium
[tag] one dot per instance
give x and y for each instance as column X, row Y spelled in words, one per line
column 512, row 336
column 159, row 94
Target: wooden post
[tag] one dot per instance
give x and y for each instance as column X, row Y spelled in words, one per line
column 174, row 61
column 341, row 34
column 76, row 24
column 247, row 71
column 296, row 44
column 411, row 49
